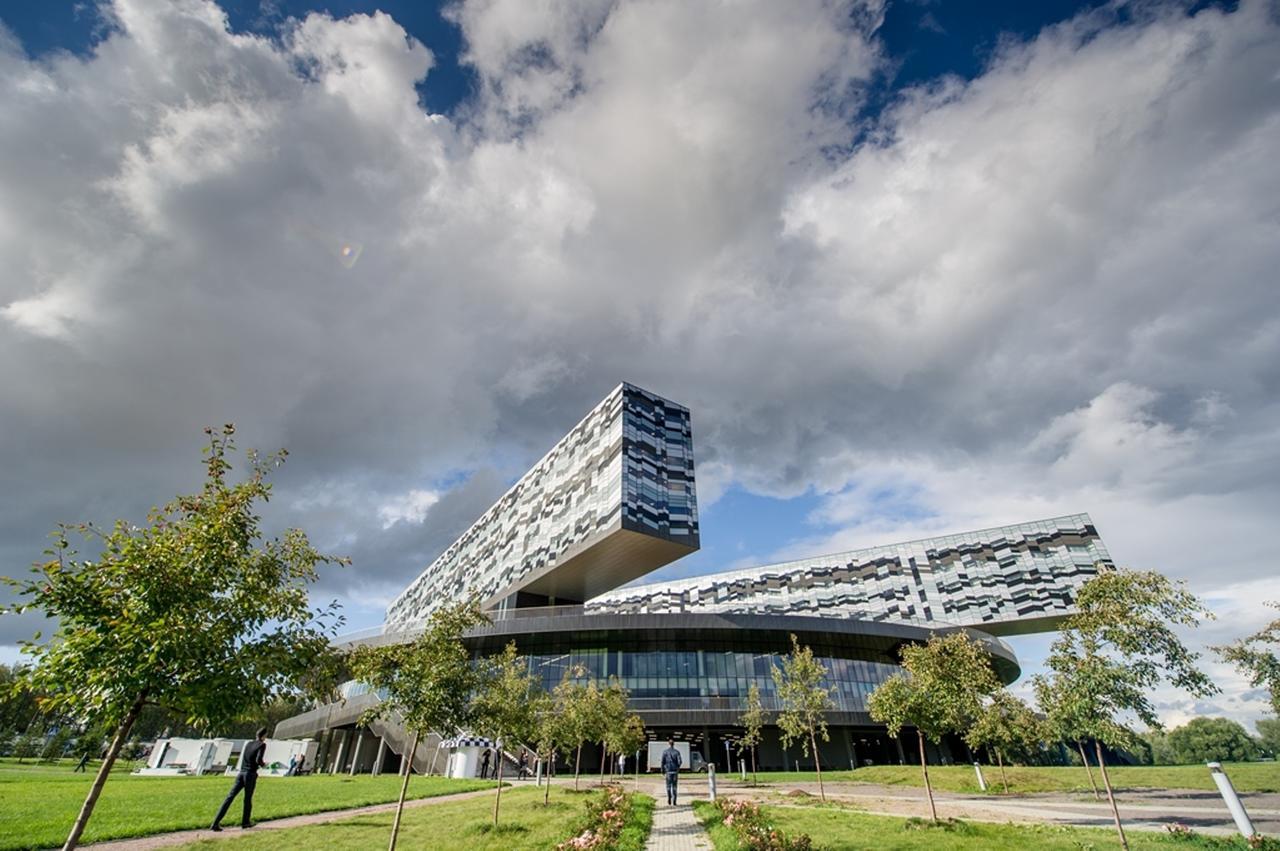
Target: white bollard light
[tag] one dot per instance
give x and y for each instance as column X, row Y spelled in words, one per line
column 711, row 779
column 1229, row 795
column 982, row 781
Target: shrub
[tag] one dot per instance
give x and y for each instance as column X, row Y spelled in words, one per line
column 607, row 814
column 746, row 819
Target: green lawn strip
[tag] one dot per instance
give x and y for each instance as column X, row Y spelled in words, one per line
column 452, row 826
column 635, row 834
column 37, row 807
column 836, row 829
column 1245, row 776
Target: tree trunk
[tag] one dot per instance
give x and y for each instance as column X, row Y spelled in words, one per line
column 104, row 771
column 754, row 780
column 1085, row 760
column 817, row 763
column 1003, row 778
column 577, row 762
column 546, row 776
column 404, row 789
column 933, row 811
column 1106, row 781
column 604, row 754
column 497, row 799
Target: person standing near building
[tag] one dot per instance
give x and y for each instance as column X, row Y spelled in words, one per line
column 671, row 769
column 484, row 763
column 246, row 779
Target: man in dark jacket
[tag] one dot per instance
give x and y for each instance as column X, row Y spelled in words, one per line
column 246, row 779
column 671, row 768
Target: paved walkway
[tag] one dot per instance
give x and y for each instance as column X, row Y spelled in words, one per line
column 1140, row 809
column 675, row 829
column 182, row 837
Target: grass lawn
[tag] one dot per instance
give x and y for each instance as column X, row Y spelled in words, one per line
column 1245, row 776
column 39, row 803
column 836, row 829
column 454, row 826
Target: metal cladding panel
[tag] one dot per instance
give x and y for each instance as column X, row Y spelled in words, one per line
column 625, row 469
column 1006, row 580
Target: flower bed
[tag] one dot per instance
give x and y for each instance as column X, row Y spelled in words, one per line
column 754, row 833
column 607, row 815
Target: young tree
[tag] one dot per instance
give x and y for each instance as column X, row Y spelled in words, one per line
column 1113, row 653
column 194, row 612
column 1258, row 658
column 1006, row 725
column 548, row 734
column 505, row 710
column 608, row 715
column 752, row 721
column 627, row 737
column 430, row 682
column 805, row 701
column 576, row 704
column 947, row 678
column 1063, row 724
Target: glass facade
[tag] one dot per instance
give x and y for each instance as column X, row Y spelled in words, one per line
column 707, row 679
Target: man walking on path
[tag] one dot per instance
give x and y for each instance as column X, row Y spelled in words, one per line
column 246, row 780
column 671, row 769
column 484, row 764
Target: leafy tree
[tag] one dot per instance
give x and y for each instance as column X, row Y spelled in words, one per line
column 1005, row 725
column 1212, row 740
column 19, row 706
column 628, row 736
column 608, row 715
column 1063, row 723
column 576, row 703
column 194, row 612
column 1258, row 658
column 504, row 709
column 548, row 734
column 752, row 721
column 1113, row 653
column 941, row 693
column 429, row 681
column 805, row 700
column 1161, row 752
column 1269, row 734
column 28, row 744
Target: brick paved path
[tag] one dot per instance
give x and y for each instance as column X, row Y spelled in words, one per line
column 675, row 829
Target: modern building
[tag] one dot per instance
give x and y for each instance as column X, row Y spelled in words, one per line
column 613, row 501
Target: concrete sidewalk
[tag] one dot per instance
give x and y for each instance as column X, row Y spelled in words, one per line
column 182, row 837
column 1145, row 809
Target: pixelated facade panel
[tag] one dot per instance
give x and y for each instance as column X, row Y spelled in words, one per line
column 627, row 465
column 993, row 578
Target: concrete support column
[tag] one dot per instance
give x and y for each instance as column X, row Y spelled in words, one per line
column 342, row 747
column 355, row 753
column 382, row 754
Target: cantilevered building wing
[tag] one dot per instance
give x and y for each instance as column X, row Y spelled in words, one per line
column 1006, row 580
column 612, row 501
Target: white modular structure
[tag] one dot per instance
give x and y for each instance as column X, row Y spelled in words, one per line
column 178, row 756
column 278, row 754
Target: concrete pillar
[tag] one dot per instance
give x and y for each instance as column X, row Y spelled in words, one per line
column 342, row 747
column 355, row 753
column 382, row 754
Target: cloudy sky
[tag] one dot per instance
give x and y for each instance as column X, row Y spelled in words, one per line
column 914, row 270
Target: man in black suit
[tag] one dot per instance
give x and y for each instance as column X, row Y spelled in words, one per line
column 250, row 762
